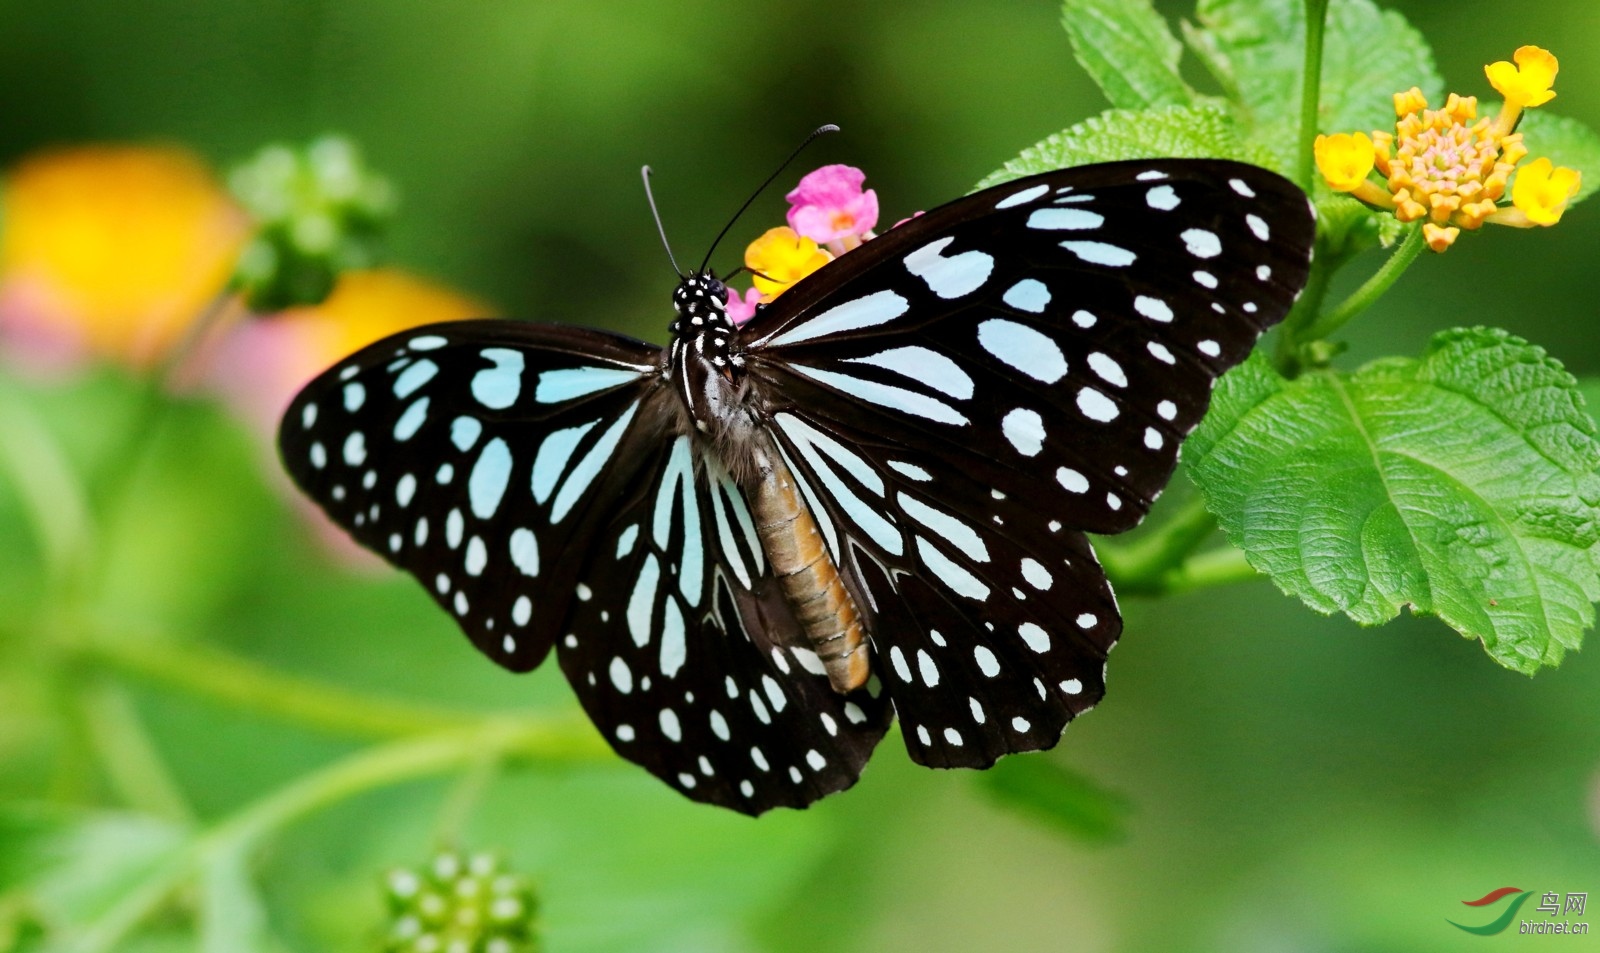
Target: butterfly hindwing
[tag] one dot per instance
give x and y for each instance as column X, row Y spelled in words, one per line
column 989, row 635
column 474, row 455
column 689, row 660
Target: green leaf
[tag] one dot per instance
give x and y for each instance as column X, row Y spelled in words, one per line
column 1127, row 49
column 1564, row 140
column 1256, row 49
column 232, row 918
column 76, row 869
column 1194, row 132
column 1462, row 485
column 1070, row 802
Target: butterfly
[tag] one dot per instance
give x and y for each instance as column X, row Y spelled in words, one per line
column 754, row 547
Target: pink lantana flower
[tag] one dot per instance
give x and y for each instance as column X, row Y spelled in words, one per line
column 742, row 309
column 830, row 208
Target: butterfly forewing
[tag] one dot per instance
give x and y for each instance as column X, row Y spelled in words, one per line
column 996, row 377
column 472, row 455
column 1062, row 329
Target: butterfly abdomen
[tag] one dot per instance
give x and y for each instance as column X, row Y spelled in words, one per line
column 810, row 581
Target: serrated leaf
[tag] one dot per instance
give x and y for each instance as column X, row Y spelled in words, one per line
column 1257, row 50
column 1462, row 485
column 1127, row 49
column 1190, row 132
column 1564, row 140
column 1070, row 802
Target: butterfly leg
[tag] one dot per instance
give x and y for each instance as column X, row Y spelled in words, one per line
column 810, row 580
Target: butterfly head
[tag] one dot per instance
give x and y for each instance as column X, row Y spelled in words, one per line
column 705, row 365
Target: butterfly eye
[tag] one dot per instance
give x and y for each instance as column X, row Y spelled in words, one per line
column 751, row 549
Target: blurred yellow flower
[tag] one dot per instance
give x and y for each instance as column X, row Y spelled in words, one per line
column 260, row 365
column 112, row 251
column 781, row 257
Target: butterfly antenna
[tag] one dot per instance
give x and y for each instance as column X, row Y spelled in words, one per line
column 829, row 127
column 644, row 173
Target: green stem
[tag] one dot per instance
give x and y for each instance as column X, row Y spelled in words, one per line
column 1135, row 566
column 463, row 799
column 210, row 673
column 544, row 740
column 392, row 763
column 1311, row 89
column 1216, row 567
column 1292, row 332
column 127, row 753
column 1371, row 290
column 152, row 403
column 52, row 497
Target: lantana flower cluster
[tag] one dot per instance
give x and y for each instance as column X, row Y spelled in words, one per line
column 829, row 214
column 1450, row 168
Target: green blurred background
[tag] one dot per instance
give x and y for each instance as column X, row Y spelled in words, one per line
column 1293, row 782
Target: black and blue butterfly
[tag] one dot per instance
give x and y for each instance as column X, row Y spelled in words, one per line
column 752, row 548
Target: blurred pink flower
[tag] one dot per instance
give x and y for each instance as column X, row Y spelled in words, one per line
column 743, row 309
column 829, row 207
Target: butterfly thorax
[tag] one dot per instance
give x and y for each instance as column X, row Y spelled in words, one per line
column 706, row 369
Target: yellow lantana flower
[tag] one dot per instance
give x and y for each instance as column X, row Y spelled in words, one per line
column 1450, row 169
column 1541, row 191
column 1528, row 82
column 781, row 257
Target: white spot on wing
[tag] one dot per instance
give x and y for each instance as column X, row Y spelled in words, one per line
column 1037, row 638
column 621, row 675
column 885, row 395
column 1096, row 406
column 525, row 551
column 1100, row 253
column 958, row 579
column 925, row 366
column 570, row 383
column 950, row 277
column 1201, row 243
column 1153, row 308
column 486, row 486
column 1023, row 349
column 1162, row 197
column 499, row 386
column 1071, row 480
column 1107, row 369
column 1025, row 429
column 866, row 312
column 1065, row 219
column 1022, row 197
column 1029, row 294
